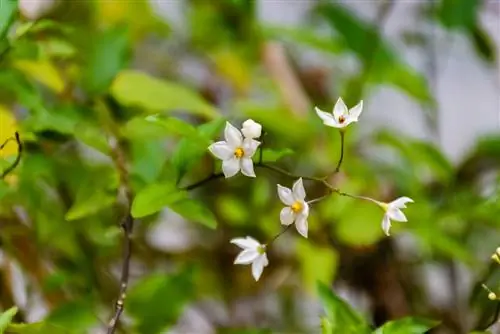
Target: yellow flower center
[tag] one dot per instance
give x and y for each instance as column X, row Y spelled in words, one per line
column 341, row 119
column 261, row 249
column 238, row 153
column 297, row 207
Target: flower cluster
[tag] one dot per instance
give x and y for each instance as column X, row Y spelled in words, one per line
column 236, row 153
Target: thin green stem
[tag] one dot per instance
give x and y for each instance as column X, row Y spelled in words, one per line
column 278, row 235
column 342, row 134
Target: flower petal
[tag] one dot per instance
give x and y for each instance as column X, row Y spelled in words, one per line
column 386, row 224
column 302, row 225
column 266, row 261
column 232, row 135
column 400, row 202
column 285, row 195
column 356, row 111
column 258, row 267
column 221, row 150
column 299, row 193
column 246, row 256
column 247, row 167
column 246, row 243
column 305, row 209
column 327, row 118
column 230, row 167
column 287, row 216
column 396, row 214
column 250, row 146
column 340, row 109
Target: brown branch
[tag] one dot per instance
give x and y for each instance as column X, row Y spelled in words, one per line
column 9, row 169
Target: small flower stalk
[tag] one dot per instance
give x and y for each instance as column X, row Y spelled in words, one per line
column 341, row 116
column 253, row 253
column 297, row 209
column 235, row 152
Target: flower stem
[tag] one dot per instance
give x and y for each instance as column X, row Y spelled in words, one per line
column 278, row 235
column 342, row 134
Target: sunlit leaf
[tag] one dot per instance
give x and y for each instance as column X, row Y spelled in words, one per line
column 37, row 328
column 342, row 317
column 89, row 203
column 407, row 325
column 155, row 126
column 132, row 88
column 155, row 197
column 8, row 10
column 7, row 129
column 43, row 71
column 195, row 211
column 6, row 318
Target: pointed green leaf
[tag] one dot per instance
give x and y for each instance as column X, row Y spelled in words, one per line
column 6, row 318
column 195, row 211
column 407, row 325
column 137, row 89
column 155, row 197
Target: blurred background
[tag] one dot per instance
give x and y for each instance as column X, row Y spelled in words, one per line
column 78, row 80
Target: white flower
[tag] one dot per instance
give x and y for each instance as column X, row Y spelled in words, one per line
column 34, row 9
column 253, row 252
column 341, row 115
column 296, row 210
column 236, row 153
column 393, row 211
column 251, row 129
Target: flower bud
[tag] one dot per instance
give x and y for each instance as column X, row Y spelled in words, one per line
column 35, row 9
column 251, row 129
column 495, row 258
column 498, row 251
column 492, row 296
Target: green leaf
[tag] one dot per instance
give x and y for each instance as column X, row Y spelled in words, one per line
column 155, row 197
column 195, row 211
column 270, row 155
column 188, row 152
column 37, row 328
column 155, row 126
column 407, row 325
column 8, row 11
column 326, row 326
column 109, row 54
column 342, row 317
column 156, row 301
column 77, row 315
column 6, row 318
column 93, row 137
column 458, row 13
column 137, row 89
column 90, row 202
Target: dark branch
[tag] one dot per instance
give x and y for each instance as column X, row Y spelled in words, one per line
column 9, row 169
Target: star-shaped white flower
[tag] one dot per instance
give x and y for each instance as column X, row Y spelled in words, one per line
column 251, row 129
column 296, row 210
column 236, row 153
column 253, row 253
column 393, row 211
column 341, row 115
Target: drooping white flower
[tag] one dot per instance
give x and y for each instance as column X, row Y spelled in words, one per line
column 393, row 211
column 296, row 210
column 251, row 129
column 235, row 152
column 253, row 253
column 341, row 115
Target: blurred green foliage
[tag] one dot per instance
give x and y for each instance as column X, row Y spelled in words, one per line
column 91, row 76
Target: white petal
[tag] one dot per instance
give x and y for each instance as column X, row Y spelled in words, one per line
column 400, row 203
column 245, row 243
column 266, row 261
column 299, row 193
column 356, row 111
column 221, row 150
column 302, row 225
column 386, row 224
column 340, row 109
column 348, row 121
column 287, row 216
column 396, row 214
column 327, row 118
column 233, row 135
column 285, row 195
column 250, row 146
column 246, row 256
column 258, row 267
column 247, row 167
column 305, row 209
column 231, row 167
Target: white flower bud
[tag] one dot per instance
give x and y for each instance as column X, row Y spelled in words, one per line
column 35, row 9
column 251, row 129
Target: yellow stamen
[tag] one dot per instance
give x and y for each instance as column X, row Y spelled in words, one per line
column 238, row 153
column 297, row 207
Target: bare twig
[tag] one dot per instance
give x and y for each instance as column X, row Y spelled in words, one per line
column 9, row 169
